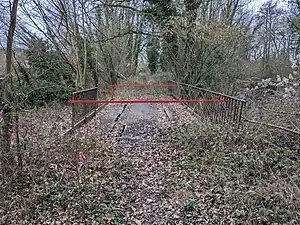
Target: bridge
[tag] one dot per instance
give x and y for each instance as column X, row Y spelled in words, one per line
column 125, row 139
column 206, row 104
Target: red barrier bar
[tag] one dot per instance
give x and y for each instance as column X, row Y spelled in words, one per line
column 143, row 101
column 139, row 85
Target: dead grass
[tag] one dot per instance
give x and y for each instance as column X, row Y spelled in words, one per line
column 254, row 171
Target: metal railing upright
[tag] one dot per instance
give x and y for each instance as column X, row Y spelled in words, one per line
column 229, row 110
column 80, row 111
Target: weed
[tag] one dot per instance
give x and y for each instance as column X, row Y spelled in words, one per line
column 190, row 204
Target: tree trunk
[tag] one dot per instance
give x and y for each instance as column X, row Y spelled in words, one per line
column 77, row 39
column 7, row 161
column 137, row 44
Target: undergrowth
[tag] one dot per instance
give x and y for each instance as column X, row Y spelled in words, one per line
column 256, row 170
column 58, row 187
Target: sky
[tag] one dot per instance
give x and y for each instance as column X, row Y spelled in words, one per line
column 256, row 4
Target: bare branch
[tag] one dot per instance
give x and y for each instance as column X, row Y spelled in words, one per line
column 273, row 126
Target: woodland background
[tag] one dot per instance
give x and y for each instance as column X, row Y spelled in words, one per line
column 52, row 48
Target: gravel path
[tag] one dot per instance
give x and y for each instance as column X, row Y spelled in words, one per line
column 143, row 160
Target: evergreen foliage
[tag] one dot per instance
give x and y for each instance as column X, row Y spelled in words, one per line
column 51, row 75
column 153, row 54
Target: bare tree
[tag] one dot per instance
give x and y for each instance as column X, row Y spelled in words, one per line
column 7, row 161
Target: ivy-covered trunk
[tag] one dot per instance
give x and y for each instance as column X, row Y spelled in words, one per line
column 153, row 54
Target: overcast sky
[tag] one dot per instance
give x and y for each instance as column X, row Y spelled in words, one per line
column 256, row 4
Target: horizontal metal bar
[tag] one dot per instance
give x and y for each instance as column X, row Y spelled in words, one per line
column 144, row 85
column 144, row 101
column 212, row 92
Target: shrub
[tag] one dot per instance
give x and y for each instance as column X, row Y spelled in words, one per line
column 43, row 93
column 47, row 76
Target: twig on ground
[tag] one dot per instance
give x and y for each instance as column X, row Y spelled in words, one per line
column 297, row 128
column 281, row 112
column 272, row 125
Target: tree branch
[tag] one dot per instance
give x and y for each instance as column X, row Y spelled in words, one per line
column 273, row 126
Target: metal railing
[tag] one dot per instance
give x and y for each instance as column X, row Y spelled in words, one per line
column 82, row 111
column 229, row 110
